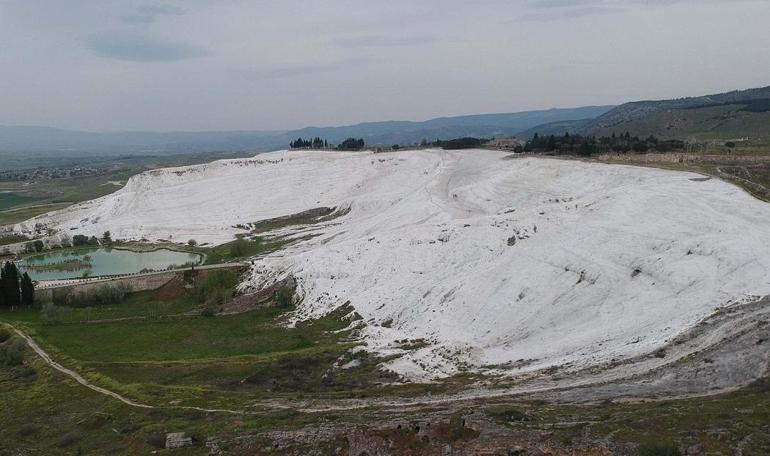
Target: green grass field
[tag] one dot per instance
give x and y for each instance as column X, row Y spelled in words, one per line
column 45, row 412
column 163, row 353
column 9, row 200
column 21, row 200
column 173, row 339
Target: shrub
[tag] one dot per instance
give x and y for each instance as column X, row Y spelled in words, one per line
column 239, row 247
column 189, row 276
column 28, row 429
column 284, row 297
column 13, row 353
column 4, row 335
column 69, row 438
column 640, row 147
column 659, row 449
column 50, row 311
column 82, row 240
column 220, row 279
column 351, row 144
column 512, row 415
column 462, row 143
column 25, row 372
column 192, row 242
column 116, row 448
column 105, row 294
column 156, row 439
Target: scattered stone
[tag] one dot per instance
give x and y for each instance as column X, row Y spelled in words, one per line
column 694, row 450
column 177, row 440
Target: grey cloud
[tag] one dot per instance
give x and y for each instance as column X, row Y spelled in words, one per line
column 382, row 41
column 607, row 5
column 557, row 13
column 280, row 72
column 149, row 13
column 566, row 3
column 547, row 10
column 137, row 48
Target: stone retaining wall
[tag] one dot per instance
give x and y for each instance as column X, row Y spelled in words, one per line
column 134, row 284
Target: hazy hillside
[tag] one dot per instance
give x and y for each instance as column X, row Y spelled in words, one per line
column 713, row 122
column 744, row 113
column 639, row 109
column 18, row 142
column 483, row 125
column 557, row 128
column 736, row 114
column 45, row 139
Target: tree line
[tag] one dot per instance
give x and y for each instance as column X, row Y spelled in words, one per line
column 318, row 143
column 460, row 143
column 15, row 289
column 315, row 143
column 590, row 145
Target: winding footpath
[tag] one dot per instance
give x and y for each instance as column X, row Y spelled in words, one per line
column 77, row 377
column 727, row 338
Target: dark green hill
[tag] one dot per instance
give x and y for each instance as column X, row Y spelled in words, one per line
column 736, row 114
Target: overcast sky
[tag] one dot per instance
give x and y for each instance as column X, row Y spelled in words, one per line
column 251, row 64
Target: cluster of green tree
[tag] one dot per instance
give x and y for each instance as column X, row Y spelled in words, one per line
column 80, row 240
column 590, row 145
column 352, row 144
column 15, row 289
column 11, row 349
column 213, row 292
column 759, row 105
column 754, row 105
column 34, row 246
column 105, row 294
column 284, row 297
column 315, row 143
column 460, row 143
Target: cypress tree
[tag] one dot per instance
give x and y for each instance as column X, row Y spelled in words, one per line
column 11, row 285
column 27, row 290
column 3, row 300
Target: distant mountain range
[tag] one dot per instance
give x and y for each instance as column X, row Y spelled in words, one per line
column 743, row 113
column 736, row 114
column 20, row 142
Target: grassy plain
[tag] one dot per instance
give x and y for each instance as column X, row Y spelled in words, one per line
column 20, row 200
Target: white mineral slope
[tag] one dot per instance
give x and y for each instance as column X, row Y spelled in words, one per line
column 606, row 261
column 609, row 261
column 206, row 202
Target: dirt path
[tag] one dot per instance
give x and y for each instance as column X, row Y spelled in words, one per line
column 69, row 372
column 722, row 353
column 78, row 378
